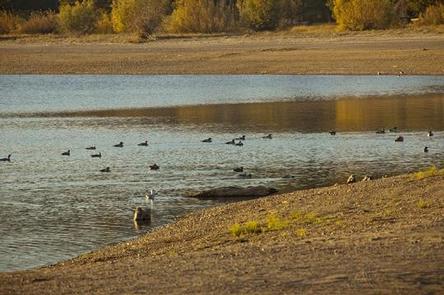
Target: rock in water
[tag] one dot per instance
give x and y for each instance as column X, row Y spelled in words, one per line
column 351, row 179
column 142, row 215
column 234, row 192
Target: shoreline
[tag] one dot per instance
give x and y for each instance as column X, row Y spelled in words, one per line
column 385, row 234
column 280, row 53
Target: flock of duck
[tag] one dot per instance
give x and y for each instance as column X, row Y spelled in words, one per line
column 238, row 141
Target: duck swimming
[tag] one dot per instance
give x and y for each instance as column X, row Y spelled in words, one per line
column 399, row 139
column 99, row 155
column 240, row 143
column 91, row 148
column 107, row 169
column 207, row 140
column 240, row 137
column 426, row 149
column 332, row 132
column 67, row 153
column 231, row 142
column 380, row 131
column 145, row 143
column 430, row 133
column 239, row 169
column 7, row 159
column 120, row 144
column 154, row 167
column 269, row 136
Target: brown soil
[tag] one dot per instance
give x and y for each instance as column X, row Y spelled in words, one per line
column 384, row 236
column 267, row 53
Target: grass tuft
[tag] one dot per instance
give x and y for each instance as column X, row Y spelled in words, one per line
column 275, row 222
column 432, row 171
column 252, row 227
column 301, row 232
column 422, row 204
column 236, row 229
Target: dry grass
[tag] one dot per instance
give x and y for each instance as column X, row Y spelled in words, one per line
column 9, row 22
column 40, row 23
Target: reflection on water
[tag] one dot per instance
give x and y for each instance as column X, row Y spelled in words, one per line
column 414, row 112
column 56, row 207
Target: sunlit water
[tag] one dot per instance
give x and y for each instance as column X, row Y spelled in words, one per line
column 55, row 207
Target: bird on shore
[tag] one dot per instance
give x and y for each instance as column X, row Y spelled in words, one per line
column 239, row 169
column 380, row 131
column 240, row 143
column 7, row 159
column 231, row 142
column 209, row 139
column 399, row 139
column 91, row 148
column 154, row 167
column 67, row 153
column 351, row 179
column 120, row 144
column 430, row 133
column 145, row 143
column 332, row 132
column 240, row 137
column 99, row 155
column 107, row 169
column 426, row 149
column 269, row 136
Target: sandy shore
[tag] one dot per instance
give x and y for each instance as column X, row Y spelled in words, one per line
column 384, row 236
column 266, row 53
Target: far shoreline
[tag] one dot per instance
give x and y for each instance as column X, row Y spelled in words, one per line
column 391, row 52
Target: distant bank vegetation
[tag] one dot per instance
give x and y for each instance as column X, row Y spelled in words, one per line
column 147, row 17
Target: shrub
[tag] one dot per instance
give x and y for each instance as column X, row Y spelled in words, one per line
column 8, row 22
column 301, row 232
column 78, row 18
column 361, row 15
column 434, row 15
column 252, row 227
column 40, row 23
column 104, row 23
column 140, row 16
column 258, row 14
column 202, row 16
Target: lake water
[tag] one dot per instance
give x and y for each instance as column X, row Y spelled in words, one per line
column 55, row 207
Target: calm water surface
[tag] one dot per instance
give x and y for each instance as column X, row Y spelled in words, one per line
column 53, row 207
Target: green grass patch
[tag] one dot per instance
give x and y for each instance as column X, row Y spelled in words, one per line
column 422, row 204
column 274, row 222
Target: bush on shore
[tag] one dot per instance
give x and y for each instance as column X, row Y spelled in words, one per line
column 433, row 15
column 40, row 23
column 81, row 17
column 139, row 16
column 201, row 16
column 358, row 15
column 9, row 22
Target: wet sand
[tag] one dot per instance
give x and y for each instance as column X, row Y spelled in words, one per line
column 360, row 53
column 381, row 236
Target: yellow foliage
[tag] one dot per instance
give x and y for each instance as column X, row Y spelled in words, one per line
column 104, row 24
column 80, row 17
column 358, row 15
column 201, row 16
